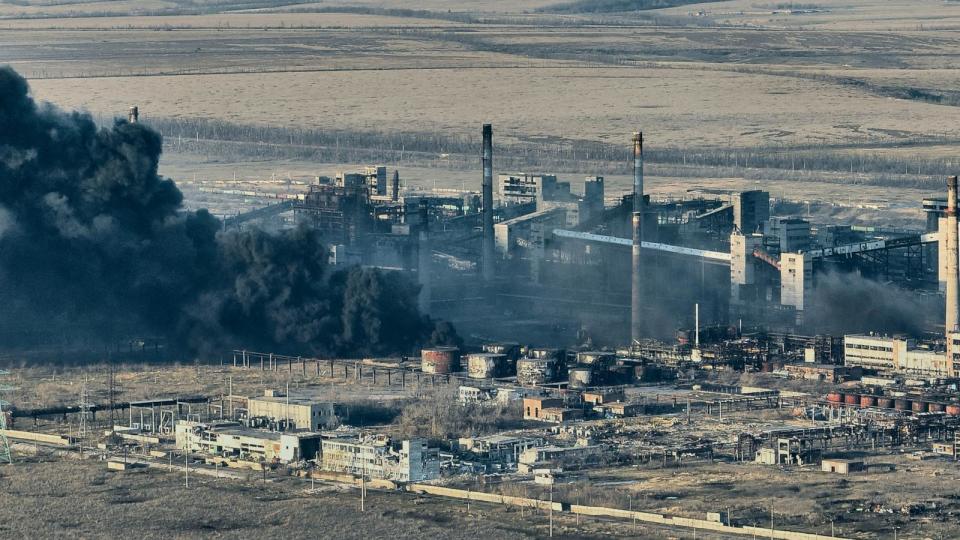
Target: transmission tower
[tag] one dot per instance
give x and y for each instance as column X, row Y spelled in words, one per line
column 5, row 455
column 84, row 411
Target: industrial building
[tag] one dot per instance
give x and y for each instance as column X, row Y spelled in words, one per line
column 893, row 354
column 381, row 458
column 288, row 413
column 232, row 440
column 501, row 449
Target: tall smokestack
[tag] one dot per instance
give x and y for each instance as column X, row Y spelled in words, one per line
column 395, row 187
column 487, row 228
column 424, row 258
column 953, row 275
column 636, row 283
column 133, row 115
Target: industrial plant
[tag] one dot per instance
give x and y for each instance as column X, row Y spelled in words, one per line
column 497, row 327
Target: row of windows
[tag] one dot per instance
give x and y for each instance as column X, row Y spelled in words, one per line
column 869, row 347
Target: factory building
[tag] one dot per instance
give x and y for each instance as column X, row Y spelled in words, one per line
column 501, row 449
column 280, row 412
column 750, row 210
column 527, row 232
column 381, row 458
column 523, row 188
column 235, row 441
column 893, row 354
column 787, row 234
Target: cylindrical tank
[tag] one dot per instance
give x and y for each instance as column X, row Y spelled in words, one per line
column 868, row 401
column 440, row 360
column 851, row 399
column 532, row 371
column 902, row 404
column 598, row 358
column 953, row 410
column 486, row 365
column 919, row 406
column 885, row 403
column 936, row 407
column 835, row 397
column 581, row 377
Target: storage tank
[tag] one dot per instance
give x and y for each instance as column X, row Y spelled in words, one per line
column 486, row 365
column 533, row 371
column 851, row 399
column 902, row 404
column 835, row 397
column 581, row 377
column 953, row 410
column 598, row 358
column 868, row 401
column 919, row 406
column 885, row 403
column 440, row 360
column 936, row 407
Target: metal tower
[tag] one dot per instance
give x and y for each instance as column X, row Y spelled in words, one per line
column 5, row 455
column 84, row 411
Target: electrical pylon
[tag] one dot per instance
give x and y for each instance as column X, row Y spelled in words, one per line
column 5, row 455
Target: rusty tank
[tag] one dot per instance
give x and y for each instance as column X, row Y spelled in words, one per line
column 440, row 360
column 868, row 401
column 885, row 403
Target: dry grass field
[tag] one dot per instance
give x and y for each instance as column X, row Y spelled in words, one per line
column 830, row 83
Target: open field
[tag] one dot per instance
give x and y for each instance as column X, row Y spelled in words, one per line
column 813, row 90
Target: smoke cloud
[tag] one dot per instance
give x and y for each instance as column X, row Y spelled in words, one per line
column 848, row 302
column 96, row 246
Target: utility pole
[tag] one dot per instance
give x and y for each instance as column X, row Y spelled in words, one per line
column 186, row 469
column 551, row 510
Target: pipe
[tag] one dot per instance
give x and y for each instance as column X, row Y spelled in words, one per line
column 487, row 202
column 953, row 286
column 395, row 188
column 696, row 323
column 424, row 258
column 636, row 267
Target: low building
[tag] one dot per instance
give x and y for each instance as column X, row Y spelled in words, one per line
column 382, row 458
column 619, row 409
column 233, row 440
column 557, row 455
column 824, row 372
column 559, row 415
column 946, row 449
column 602, row 397
column 503, row 449
column 276, row 411
column 533, row 406
column 841, row 466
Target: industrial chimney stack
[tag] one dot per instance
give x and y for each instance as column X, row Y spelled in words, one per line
column 424, row 258
column 487, row 202
column 133, row 115
column 636, row 282
column 953, row 293
column 395, row 187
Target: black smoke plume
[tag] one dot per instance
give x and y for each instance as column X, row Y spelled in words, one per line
column 96, row 246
